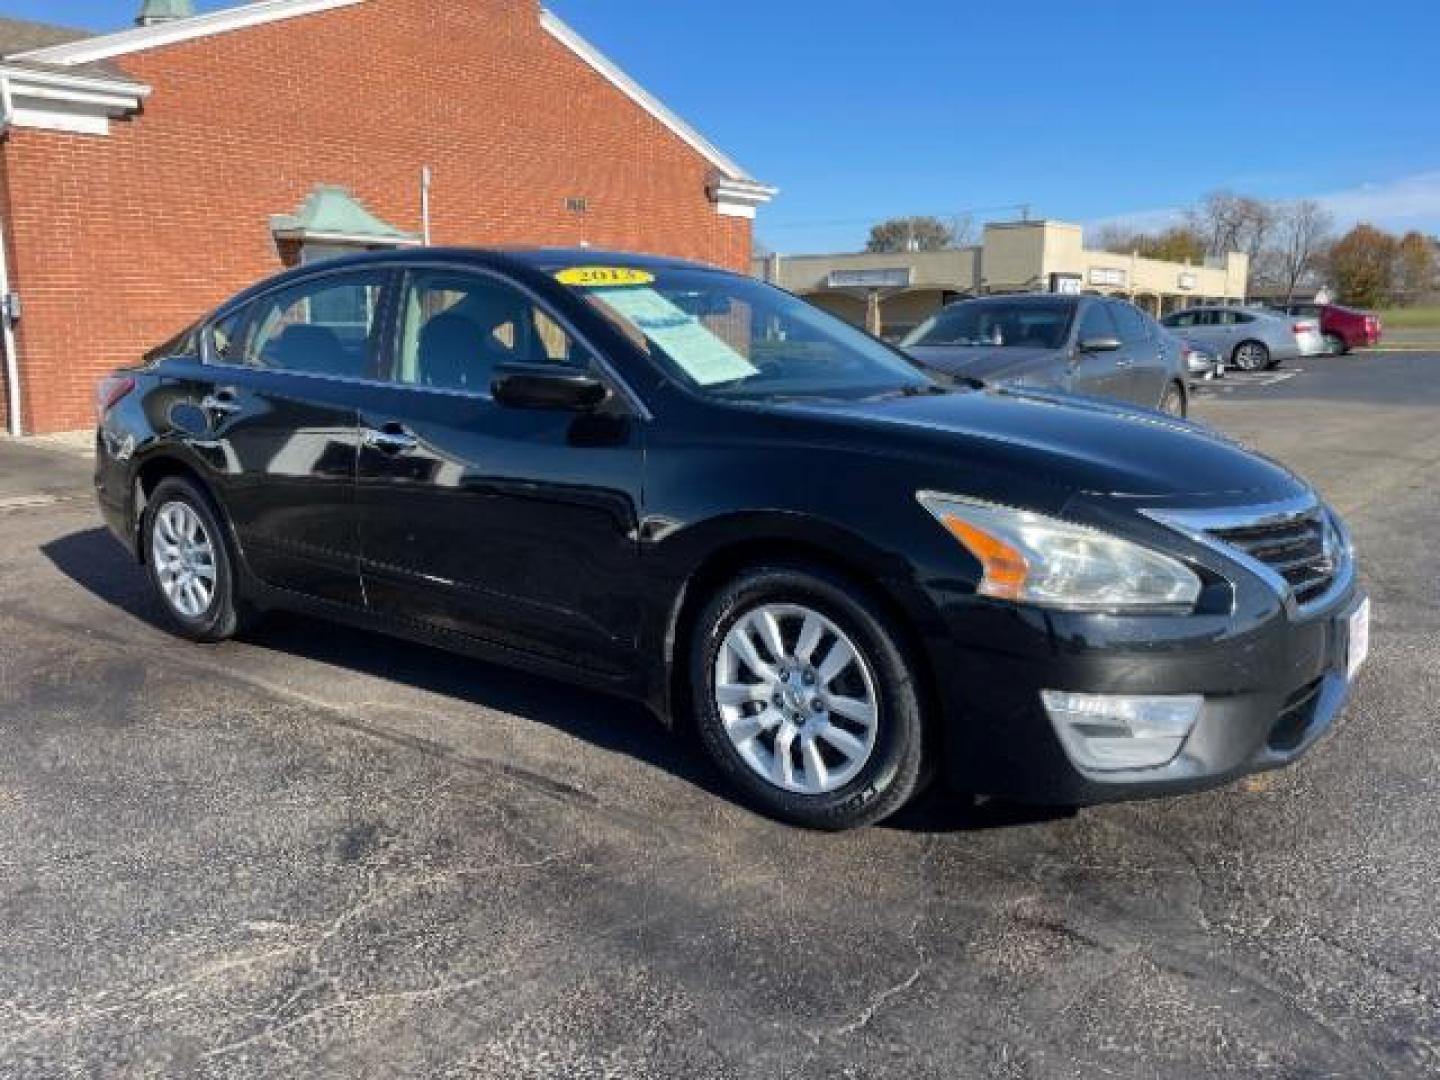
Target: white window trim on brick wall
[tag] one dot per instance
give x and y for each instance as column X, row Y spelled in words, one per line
column 59, row 101
column 88, row 50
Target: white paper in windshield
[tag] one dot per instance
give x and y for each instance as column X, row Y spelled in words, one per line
column 703, row 356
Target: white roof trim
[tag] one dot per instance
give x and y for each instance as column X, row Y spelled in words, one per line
column 79, row 84
column 88, row 50
column 638, row 94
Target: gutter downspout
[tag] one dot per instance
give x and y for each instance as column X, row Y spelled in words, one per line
column 7, row 324
column 425, row 180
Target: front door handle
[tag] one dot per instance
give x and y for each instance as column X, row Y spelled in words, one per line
column 222, row 400
column 391, row 439
column 1124, row 363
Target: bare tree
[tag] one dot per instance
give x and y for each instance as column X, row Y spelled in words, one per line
column 962, row 230
column 1302, row 231
column 1230, row 222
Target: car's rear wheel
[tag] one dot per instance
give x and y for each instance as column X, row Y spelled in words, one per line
column 188, row 562
column 1251, row 356
column 805, row 698
column 1335, row 345
column 1173, row 401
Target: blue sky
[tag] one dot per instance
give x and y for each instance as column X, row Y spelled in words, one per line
column 1086, row 111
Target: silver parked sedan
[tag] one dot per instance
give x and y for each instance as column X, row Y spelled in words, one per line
column 1247, row 339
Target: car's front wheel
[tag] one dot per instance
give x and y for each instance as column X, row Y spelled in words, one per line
column 1335, row 345
column 806, row 700
column 1173, row 401
column 189, row 562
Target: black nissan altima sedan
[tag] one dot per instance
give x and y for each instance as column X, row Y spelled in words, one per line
column 686, row 486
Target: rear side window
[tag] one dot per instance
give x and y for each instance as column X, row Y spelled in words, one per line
column 457, row 327
column 1096, row 323
column 1181, row 319
column 324, row 326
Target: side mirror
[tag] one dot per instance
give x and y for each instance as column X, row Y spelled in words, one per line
column 547, row 386
column 1100, row 344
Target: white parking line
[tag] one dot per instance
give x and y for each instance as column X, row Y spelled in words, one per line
column 1241, row 380
column 29, row 502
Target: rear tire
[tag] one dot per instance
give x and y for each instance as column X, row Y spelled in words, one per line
column 189, row 562
column 805, row 699
column 1251, row 356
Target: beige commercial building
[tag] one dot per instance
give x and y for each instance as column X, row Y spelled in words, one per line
column 891, row 293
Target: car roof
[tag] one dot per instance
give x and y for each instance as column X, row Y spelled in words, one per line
column 541, row 257
column 1022, row 298
column 535, row 259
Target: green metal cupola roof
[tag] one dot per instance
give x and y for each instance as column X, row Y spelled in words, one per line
column 158, row 11
column 333, row 214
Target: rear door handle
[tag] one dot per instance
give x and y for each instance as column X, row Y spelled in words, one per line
column 222, row 400
column 391, row 439
column 1123, row 362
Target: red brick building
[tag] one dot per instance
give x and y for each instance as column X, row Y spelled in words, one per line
column 147, row 174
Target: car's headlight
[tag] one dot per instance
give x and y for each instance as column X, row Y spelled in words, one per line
column 1041, row 560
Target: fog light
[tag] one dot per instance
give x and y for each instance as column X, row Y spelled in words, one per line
column 1109, row 732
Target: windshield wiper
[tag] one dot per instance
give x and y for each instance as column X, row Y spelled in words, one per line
column 967, row 381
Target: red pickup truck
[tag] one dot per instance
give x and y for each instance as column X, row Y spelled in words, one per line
column 1342, row 328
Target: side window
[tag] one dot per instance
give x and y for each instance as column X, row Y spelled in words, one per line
column 1181, row 319
column 1238, row 317
column 1096, row 323
column 325, row 326
column 1133, row 328
column 457, row 327
column 222, row 338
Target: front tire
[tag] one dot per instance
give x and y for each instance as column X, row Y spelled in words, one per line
column 188, row 562
column 1335, row 345
column 1251, row 356
column 805, row 699
column 1173, row 402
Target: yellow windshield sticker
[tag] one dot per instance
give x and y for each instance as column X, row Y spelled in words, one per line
column 601, row 277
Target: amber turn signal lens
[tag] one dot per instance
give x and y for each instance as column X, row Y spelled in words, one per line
column 1005, row 568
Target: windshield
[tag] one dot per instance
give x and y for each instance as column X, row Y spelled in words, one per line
column 997, row 323
column 736, row 337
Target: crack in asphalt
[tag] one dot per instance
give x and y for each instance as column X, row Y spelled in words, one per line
column 880, row 1000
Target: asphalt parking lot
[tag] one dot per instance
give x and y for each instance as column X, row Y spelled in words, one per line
column 321, row 852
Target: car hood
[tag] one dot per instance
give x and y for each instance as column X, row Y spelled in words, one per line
column 987, row 363
column 1077, row 444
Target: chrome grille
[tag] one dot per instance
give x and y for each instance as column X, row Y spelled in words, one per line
column 1301, row 548
column 1297, row 545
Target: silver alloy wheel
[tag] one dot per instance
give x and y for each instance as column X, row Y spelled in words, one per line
column 797, row 698
column 184, row 558
column 1334, row 344
column 1251, row 356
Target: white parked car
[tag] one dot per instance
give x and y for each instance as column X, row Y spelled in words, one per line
column 1309, row 337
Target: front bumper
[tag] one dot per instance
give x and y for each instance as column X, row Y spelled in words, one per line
column 1273, row 684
